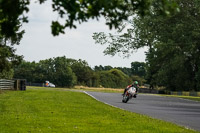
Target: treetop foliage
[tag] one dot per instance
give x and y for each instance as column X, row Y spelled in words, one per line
column 173, row 55
column 12, row 13
column 12, row 16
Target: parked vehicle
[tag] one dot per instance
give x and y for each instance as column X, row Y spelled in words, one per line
column 48, row 84
column 130, row 93
column 51, row 85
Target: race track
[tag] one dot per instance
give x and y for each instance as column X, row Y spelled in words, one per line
column 180, row 111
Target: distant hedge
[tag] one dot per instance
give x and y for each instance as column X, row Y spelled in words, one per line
column 114, row 78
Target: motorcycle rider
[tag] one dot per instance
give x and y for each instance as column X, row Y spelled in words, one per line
column 135, row 84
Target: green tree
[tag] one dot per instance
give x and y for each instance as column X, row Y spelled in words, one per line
column 176, row 56
column 102, row 68
column 138, row 68
column 173, row 55
column 63, row 75
column 140, row 80
column 114, row 78
column 85, row 75
column 125, row 70
column 8, row 60
column 47, row 68
column 10, row 35
column 56, row 70
column 26, row 70
column 98, row 68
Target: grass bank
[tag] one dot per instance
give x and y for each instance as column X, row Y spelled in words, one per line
column 57, row 110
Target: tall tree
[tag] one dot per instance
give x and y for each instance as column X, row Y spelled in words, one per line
column 63, row 74
column 176, row 52
column 85, row 75
column 11, row 19
column 8, row 58
column 138, row 68
column 173, row 56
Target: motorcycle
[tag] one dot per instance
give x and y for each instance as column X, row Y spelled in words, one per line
column 130, row 93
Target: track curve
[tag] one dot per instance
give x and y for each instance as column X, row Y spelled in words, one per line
column 180, row 111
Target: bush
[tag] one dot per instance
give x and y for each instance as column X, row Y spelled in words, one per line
column 114, row 78
column 140, row 80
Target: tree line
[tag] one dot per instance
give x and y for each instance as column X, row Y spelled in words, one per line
column 66, row 72
column 173, row 56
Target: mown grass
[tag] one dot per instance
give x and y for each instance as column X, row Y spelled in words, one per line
column 82, row 88
column 56, row 110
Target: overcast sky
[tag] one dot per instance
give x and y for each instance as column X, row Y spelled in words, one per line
column 38, row 43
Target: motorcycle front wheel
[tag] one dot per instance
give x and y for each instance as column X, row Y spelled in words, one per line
column 125, row 99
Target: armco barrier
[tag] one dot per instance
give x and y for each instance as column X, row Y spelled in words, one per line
column 173, row 93
column 14, row 84
column 185, row 93
column 146, row 90
column 180, row 93
column 193, row 93
column 6, row 84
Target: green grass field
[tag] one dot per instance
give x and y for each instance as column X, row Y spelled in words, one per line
column 61, row 111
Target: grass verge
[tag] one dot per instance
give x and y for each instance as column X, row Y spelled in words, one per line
column 82, row 88
column 53, row 110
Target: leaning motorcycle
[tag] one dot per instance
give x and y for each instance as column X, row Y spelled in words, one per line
column 130, row 93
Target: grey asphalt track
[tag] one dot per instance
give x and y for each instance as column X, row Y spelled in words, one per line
column 180, row 111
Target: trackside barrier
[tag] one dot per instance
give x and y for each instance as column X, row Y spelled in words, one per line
column 146, row 90
column 185, row 93
column 180, row 93
column 6, row 84
column 35, row 84
column 14, row 84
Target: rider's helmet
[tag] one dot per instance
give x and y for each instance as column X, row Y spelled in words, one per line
column 135, row 82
